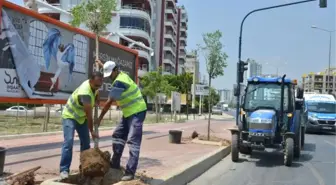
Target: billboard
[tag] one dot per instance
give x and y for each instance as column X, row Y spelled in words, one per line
column 125, row 60
column 201, row 89
column 41, row 58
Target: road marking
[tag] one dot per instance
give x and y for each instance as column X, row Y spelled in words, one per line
column 330, row 143
column 316, row 174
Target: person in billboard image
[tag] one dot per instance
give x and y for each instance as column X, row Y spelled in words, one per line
column 132, row 104
column 77, row 115
column 63, row 55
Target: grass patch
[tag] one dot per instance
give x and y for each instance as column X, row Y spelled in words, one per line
column 22, row 125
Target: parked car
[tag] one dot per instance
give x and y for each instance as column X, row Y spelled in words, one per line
column 216, row 110
column 17, row 108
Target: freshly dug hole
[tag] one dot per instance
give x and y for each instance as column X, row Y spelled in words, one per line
column 113, row 176
column 223, row 142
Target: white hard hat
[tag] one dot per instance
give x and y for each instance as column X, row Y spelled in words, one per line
column 108, row 68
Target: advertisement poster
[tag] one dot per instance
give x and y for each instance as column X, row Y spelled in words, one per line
column 40, row 60
column 125, row 60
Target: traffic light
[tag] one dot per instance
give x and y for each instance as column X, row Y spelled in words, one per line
column 323, row 3
column 242, row 67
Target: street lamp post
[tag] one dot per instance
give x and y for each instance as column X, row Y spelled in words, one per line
column 330, row 35
column 240, row 41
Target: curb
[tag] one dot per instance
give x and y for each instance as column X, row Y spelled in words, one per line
column 21, row 136
column 191, row 171
column 183, row 175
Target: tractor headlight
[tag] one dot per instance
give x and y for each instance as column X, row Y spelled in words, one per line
column 312, row 117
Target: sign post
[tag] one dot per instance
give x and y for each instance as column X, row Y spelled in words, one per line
column 201, row 90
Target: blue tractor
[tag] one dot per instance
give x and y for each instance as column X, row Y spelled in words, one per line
column 270, row 117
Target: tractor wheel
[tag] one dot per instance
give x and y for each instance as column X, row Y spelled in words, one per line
column 297, row 144
column 235, row 147
column 303, row 131
column 245, row 150
column 289, row 151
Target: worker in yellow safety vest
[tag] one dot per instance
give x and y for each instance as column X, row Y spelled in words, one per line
column 77, row 115
column 129, row 98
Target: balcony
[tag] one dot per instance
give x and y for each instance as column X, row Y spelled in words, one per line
column 184, row 34
column 170, row 49
column 143, row 53
column 170, row 23
column 183, row 29
column 183, row 50
column 171, row 3
column 135, row 31
column 135, row 12
column 170, row 37
column 182, row 54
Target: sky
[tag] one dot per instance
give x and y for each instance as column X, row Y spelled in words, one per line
column 280, row 37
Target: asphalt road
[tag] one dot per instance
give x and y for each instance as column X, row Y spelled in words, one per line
column 316, row 166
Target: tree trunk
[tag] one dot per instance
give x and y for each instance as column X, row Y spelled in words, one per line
column 156, row 109
column 95, row 113
column 209, row 107
column 187, row 101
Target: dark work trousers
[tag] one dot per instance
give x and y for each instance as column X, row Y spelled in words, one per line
column 128, row 131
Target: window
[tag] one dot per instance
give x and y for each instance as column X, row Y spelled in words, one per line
column 265, row 95
column 135, row 23
column 37, row 33
column 321, row 107
column 81, row 51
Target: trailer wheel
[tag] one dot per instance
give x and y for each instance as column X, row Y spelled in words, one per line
column 235, row 147
column 289, row 151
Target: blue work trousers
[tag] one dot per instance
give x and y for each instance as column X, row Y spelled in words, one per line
column 69, row 127
column 128, row 131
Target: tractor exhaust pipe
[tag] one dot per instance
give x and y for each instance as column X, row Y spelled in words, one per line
column 282, row 102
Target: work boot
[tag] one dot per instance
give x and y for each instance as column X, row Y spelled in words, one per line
column 115, row 165
column 127, row 177
column 64, row 175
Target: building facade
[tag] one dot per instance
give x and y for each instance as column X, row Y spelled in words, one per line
column 192, row 65
column 182, row 39
column 254, row 68
column 152, row 22
column 225, row 95
column 320, row 82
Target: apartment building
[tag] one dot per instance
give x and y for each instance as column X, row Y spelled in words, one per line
column 192, row 65
column 320, row 82
column 254, row 69
column 225, row 95
column 182, row 39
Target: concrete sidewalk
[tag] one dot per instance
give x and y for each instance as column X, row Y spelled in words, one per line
column 158, row 157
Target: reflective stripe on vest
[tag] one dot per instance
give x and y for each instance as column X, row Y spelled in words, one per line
column 131, row 101
column 73, row 103
column 72, row 109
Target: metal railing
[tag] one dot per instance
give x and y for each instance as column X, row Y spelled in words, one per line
column 128, row 7
column 147, row 30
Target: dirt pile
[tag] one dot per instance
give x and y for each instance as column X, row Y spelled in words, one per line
column 212, row 138
column 94, row 162
column 112, row 177
column 26, row 177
